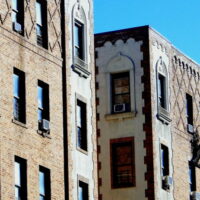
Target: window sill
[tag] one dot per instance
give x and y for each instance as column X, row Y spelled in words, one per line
column 44, row 133
column 82, row 150
column 120, row 116
column 19, row 123
column 81, row 68
column 163, row 115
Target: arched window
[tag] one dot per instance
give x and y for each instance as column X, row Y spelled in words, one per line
column 79, row 39
column 162, row 90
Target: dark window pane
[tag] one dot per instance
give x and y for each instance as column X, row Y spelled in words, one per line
column 162, row 91
column 81, row 124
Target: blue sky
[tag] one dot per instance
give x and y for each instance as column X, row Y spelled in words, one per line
column 177, row 20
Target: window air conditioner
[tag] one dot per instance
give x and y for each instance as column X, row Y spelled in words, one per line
column 17, row 27
column 195, row 195
column 45, row 125
column 190, row 128
column 167, row 181
column 119, row 108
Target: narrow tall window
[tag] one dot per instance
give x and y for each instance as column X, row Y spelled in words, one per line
column 41, row 23
column 120, row 92
column 166, row 180
column 19, row 108
column 20, row 179
column 192, row 177
column 83, row 191
column 81, row 118
column 43, row 106
column 122, row 162
column 44, row 183
column 162, row 91
column 18, row 15
column 79, row 40
column 189, row 109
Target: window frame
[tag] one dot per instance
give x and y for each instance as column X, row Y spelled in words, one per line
column 19, row 15
column 80, row 63
column 23, row 177
column 47, row 183
column 42, row 29
column 45, row 110
column 122, row 141
column 163, row 112
column 115, row 76
column 84, row 182
column 81, row 102
column 20, row 100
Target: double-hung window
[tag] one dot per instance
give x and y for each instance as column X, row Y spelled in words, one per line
column 83, row 191
column 162, row 91
column 120, row 84
column 44, row 183
column 41, row 23
column 43, row 106
column 20, row 179
column 79, row 40
column 18, row 15
column 19, row 108
column 189, row 112
column 122, row 162
column 81, row 118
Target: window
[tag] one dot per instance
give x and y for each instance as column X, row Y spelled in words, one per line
column 19, row 108
column 189, row 109
column 79, row 40
column 43, row 106
column 41, row 23
column 120, row 92
column 162, row 91
column 164, row 166
column 122, row 162
column 81, row 121
column 20, row 179
column 18, row 15
column 44, row 183
column 82, row 191
column 192, row 177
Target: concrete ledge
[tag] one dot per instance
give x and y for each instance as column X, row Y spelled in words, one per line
column 120, row 116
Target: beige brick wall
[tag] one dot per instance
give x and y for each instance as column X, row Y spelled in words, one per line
column 24, row 141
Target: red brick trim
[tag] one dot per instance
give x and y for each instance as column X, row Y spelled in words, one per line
column 147, row 126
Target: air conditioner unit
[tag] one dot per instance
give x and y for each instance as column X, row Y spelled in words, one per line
column 190, row 128
column 17, row 27
column 167, row 181
column 119, row 108
column 195, row 195
column 45, row 125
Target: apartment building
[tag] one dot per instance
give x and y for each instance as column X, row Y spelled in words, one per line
column 148, row 117
column 47, row 114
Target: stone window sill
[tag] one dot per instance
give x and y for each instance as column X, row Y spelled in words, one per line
column 80, row 67
column 82, row 150
column 120, row 116
column 163, row 115
column 19, row 123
